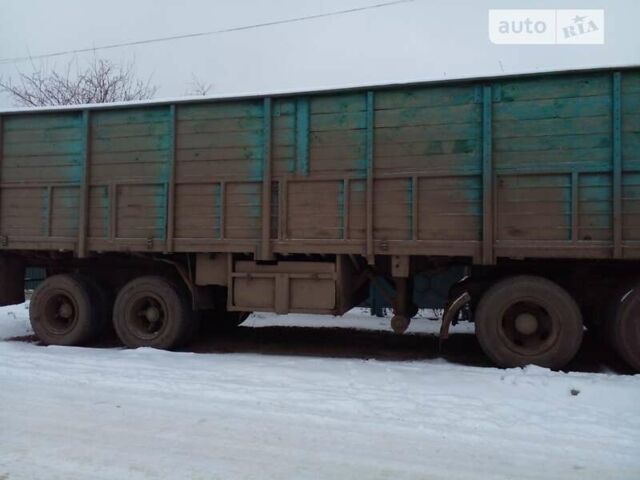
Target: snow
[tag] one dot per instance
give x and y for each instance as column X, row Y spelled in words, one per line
column 108, row 413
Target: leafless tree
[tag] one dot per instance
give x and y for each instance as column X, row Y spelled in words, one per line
column 197, row 87
column 97, row 81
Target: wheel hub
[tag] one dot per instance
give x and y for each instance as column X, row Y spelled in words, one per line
column 152, row 314
column 65, row 310
column 526, row 323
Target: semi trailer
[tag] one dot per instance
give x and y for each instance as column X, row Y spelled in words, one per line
column 156, row 217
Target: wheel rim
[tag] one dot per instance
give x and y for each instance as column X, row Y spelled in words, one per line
column 528, row 328
column 147, row 316
column 60, row 313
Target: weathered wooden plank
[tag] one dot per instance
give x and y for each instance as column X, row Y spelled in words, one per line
column 555, row 87
column 99, row 212
column 338, row 103
column 337, row 121
column 42, row 122
column 542, row 159
column 35, row 172
column 545, row 127
column 146, row 171
column 265, row 240
column 616, row 114
column 244, row 139
column 131, row 144
column 223, row 153
column 553, row 142
column 426, row 97
column 556, row 108
column 220, row 110
column 392, row 210
column 114, row 132
column 631, row 103
column 64, row 211
column 333, row 138
column 51, row 135
column 83, row 221
column 430, row 164
column 488, row 213
column 445, row 115
column 219, row 125
column 40, row 149
column 631, row 81
column 369, row 170
column 427, row 133
column 128, row 116
column 434, row 147
column 171, row 182
column 128, row 158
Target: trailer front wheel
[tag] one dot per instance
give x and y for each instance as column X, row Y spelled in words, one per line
column 152, row 312
column 525, row 320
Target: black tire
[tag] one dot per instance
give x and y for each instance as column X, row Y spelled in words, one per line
column 153, row 312
column 64, row 311
column 625, row 327
column 525, row 320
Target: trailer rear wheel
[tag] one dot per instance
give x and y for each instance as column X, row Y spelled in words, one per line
column 528, row 320
column 152, row 312
column 64, row 311
column 625, row 327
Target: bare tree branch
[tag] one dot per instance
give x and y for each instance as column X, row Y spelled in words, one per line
column 197, row 87
column 99, row 81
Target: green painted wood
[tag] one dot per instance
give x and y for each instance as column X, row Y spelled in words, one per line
column 241, row 109
column 170, row 183
column 338, row 103
column 35, row 148
column 369, row 169
column 416, row 97
column 129, row 116
column 487, row 176
column 44, row 121
column 302, row 136
column 84, row 185
column 575, row 205
column 616, row 114
column 219, row 210
column 341, row 211
column 577, row 107
column 552, row 126
column 410, row 206
column 265, row 241
column 558, row 87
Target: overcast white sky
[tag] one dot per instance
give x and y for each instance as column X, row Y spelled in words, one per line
column 422, row 40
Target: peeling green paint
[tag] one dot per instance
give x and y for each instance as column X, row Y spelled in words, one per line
column 302, row 136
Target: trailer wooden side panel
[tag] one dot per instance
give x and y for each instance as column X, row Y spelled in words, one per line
column 534, row 166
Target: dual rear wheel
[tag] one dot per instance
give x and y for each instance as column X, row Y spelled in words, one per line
column 149, row 311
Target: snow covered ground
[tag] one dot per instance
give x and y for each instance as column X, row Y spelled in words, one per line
column 113, row 413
